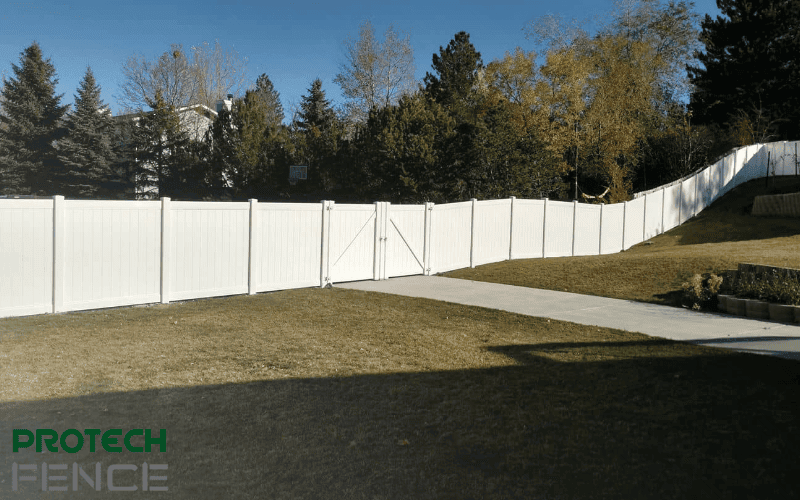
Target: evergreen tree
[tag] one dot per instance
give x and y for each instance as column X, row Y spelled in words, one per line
column 162, row 152
column 30, row 126
column 318, row 137
column 273, row 110
column 221, row 144
column 399, row 151
column 750, row 71
column 458, row 69
column 505, row 160
column 126, row 132
column 87, row 151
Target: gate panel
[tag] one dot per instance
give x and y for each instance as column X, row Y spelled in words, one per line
column 352, row 243
column 405, row 240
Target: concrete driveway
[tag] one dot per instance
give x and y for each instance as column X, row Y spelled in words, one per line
column 712, row 329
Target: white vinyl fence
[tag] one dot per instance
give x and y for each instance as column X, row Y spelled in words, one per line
column 65, row 255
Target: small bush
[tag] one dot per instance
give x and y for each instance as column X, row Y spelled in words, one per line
column 700, row 292
column 776, row 287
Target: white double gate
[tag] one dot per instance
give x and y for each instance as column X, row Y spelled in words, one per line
column 375, row 241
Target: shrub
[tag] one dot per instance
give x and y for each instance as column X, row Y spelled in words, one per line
column 777, row 287
column 700, row 292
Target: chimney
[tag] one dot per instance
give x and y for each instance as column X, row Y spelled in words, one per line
column 226, row 103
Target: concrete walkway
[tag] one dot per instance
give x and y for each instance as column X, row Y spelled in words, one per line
column 718, row 330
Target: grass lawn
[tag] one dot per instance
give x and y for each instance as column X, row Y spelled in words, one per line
column 333, row 393
column 718, row 238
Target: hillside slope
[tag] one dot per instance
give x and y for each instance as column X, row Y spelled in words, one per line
column 718, row 238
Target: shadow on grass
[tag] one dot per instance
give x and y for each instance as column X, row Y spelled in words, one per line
column 569, row 420
column 673, row 298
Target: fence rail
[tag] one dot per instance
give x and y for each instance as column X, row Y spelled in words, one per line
column 65, row 255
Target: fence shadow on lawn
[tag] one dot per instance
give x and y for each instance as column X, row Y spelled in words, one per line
column 569, row 420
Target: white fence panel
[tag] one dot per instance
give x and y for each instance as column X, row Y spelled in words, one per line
column 792, row 154
column 492, row 231
column 451, row 227
column 688, row 199
column 653, row 205
column 634, row 223
column 714, row 181
column 703, row 189
column 112, row 253
column 405, row 243
column 587, row 229
column 527, row 229
column 779, row 159
column 558, row 230
column 287, row 243
column 672, row 206
column 209, row 249
column 352, row 242
column 26, row 257
column 728, row 165
column 611, row 230
column 740, row 156
column 755, row 163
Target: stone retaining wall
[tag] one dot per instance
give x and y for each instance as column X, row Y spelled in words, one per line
column 783, row 205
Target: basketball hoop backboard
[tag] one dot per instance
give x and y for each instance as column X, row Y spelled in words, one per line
column 298, row 172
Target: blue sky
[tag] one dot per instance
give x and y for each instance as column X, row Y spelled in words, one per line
column 292, row 43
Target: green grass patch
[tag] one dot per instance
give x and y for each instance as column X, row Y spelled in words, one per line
column 717, row 239
column 332, row 393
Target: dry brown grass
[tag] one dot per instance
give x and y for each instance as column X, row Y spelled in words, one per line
column 718, row 238
column 344, row 394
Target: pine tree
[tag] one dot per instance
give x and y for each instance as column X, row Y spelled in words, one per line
column 272, row 101
column 162, row 151
column 221, row 142
column 87, row 152
column 457, row 75
column 318, row 135
column 750, row 70
column 30, row 126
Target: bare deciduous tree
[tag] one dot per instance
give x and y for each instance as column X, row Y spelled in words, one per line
column 376, row 73
column 219, row 71
column 204, row 75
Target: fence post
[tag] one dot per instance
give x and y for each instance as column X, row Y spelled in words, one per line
column 574, row 215
column 166, row 237
column 426, row 252
column 725, row 161
column 696, row 203
column 324, row 265
column 387, row 205
column 644, row 218
column 544, row 226
column 600, row 236
column 624, row 217
column 58, row 254
column 381, row 221
column 472, row 236
column 376, row 255
column 254, row 259
column 511, row 231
